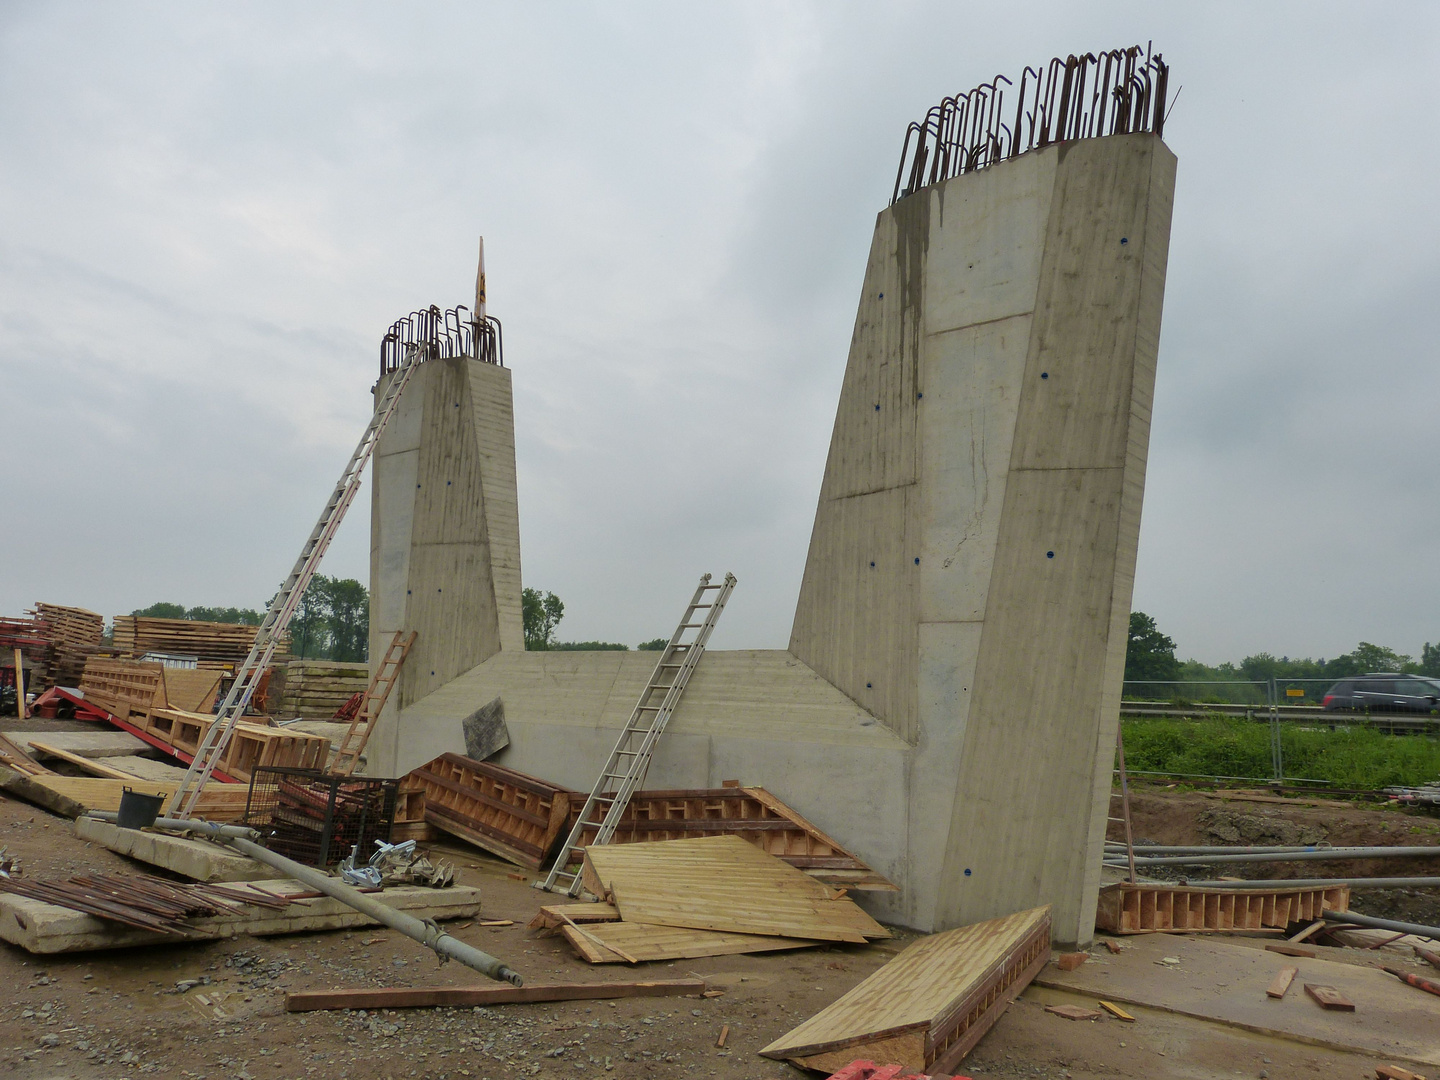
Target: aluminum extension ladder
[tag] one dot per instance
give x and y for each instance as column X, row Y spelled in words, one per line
column 625, row 770
column 217, row 738
column 1124, row 796
column 347, row 756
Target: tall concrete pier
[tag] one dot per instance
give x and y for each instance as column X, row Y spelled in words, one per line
column 948, row 702
column 970, row 569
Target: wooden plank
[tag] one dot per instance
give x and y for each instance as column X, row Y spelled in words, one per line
column 1281, row 982
column 1116, row 1011
column 192, row 689
column 14, row 757
column 1292, row 950
column 218, row 802
column 949, row 988
column 464, row 996
column 601, row 942
column 724, row 883
column 1327, row 997
column 554, row 916
column 90, row 765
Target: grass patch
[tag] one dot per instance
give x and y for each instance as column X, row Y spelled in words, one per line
column 1357, row 758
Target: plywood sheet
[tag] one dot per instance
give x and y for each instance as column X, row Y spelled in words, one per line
column 930, row 989
column 724, row 883
column 191, row 688
column 218, row 802
column 649, row 942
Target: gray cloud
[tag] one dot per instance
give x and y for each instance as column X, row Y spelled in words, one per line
column 208, row 217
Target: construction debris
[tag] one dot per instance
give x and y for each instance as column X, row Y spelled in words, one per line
column 927, row 1008
column 1417, row 981
column 470, row 996
column 1074, row 1012
column 145, row 903
column 1327, row 997
column 1281, row 982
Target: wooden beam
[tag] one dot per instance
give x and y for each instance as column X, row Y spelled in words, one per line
column 19, row 685
column 422, row 997
column 88, row 764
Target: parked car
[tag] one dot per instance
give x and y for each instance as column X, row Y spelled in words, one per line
column 1384, row 692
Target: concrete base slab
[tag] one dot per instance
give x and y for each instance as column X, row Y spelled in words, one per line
column 1225, row 982
column 148, row 768
column 103, row 743
column 45, row 929
column 198, row 860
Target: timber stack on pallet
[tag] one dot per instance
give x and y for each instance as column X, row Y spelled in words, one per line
column 215, row 646
column 169, row 708
column 1146, row 909
column 316, row 689
column 75, row 635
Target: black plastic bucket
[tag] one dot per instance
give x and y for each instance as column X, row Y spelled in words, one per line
column 138, row 811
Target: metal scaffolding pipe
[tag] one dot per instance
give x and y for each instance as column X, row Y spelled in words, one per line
column 1116, row 847
column 1382, row 924
column 1318, row 883
column 427, row 932
column 1321, row 854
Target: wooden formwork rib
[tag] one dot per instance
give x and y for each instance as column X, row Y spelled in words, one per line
column 515, row 816
column 1147, row 908
column 123, row 687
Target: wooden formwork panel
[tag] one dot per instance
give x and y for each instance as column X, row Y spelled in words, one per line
column 252, row 747
column 928, row 1007
column 753, row 814
column 515, row 816
column 122, row 687
column 1149, row 908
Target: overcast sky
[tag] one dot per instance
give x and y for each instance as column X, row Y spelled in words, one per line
column 210, row 214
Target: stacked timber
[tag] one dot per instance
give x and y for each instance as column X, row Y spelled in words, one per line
column 318, row 689
column 75, row 635
column 216, row 646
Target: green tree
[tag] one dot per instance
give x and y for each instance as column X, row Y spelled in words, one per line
column 244, row 616
column 1430, row 660
column 161, row 610
column 1149, row 654
column 347, row 619
column 540, row 613
column 654, row 645
column 588, row 646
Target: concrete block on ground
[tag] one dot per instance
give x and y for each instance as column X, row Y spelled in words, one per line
column 101, row 743
column 198, row 860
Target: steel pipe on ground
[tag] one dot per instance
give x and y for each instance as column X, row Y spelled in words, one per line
column 1321, row 854
column 428, row 933
column 1312, row 883
column 1115, row 847
column 1382, row 924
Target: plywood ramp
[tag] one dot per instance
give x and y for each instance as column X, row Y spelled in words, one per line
column 1145, row 909
column 723, row 883
column 929, row 1006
